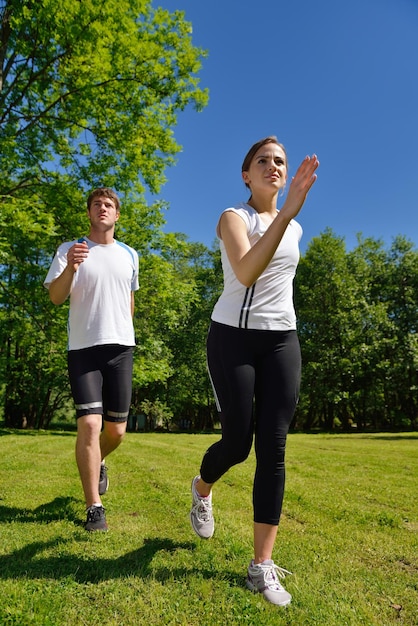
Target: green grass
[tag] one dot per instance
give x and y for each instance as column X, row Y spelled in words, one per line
column 349, row 534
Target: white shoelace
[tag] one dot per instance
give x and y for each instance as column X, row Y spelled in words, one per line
column 281, row 571
column 203, row 510
column 272, row 574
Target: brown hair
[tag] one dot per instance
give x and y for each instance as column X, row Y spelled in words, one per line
column 255, row 148
column 107, row 193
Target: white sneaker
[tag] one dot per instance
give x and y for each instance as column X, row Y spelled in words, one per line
column 201, row 516
column 264, row 578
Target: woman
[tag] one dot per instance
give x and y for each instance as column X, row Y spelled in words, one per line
column 253, row 350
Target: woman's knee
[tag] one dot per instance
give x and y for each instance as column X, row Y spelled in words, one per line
column 238, row 452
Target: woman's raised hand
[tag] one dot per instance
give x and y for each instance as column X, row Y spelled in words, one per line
column 300, row 185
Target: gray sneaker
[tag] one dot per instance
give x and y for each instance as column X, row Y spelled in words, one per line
column 96, row 519
column 264, row 578
column 201, row 514
column 103, row 480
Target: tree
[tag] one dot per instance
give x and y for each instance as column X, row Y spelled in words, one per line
column 400, row 294
column 91, row 89
column 358, row 318
column 177, row 297
column 324, row 298
column 89, row 95
column 188, row 389
column 371, row 369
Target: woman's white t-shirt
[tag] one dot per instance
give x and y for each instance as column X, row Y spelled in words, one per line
column 268, row 303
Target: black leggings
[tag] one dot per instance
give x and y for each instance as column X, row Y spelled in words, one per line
column 245, row 365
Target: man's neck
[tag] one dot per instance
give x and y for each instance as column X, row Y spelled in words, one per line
column 104, row 237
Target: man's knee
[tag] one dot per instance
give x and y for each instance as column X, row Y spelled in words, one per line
column 114, row 431
column 89, row 426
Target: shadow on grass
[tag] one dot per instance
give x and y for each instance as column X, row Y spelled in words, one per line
column 62, row 508
column 68, row 432
column 29, row 563
column 374, row 436
column 35, row 561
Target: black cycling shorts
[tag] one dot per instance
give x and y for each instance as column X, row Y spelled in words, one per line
column 101, row 381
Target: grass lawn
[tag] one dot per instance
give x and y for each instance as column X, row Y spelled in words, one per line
column 349, row 534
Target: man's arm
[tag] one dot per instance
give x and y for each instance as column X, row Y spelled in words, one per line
column 60, row 287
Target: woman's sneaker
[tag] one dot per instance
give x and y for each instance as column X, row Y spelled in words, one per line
column 264, row 578
column 201, row 516
column 96, row 519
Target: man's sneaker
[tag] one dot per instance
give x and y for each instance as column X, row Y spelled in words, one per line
column 201, row 514
column 96, row 519
column 103, row 480
column 264, row 578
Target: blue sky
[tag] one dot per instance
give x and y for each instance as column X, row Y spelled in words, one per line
column 339, row 79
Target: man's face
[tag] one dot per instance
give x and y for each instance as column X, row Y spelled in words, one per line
column 102, row 213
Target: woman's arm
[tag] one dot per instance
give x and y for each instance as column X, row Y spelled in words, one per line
column 247, row 262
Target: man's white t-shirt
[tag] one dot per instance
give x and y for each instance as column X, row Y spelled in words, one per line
column 100, row 297
column 268, row 303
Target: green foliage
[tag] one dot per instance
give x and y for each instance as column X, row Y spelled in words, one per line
column 92, row 90
column 358, row 318
column 176, row 297
column 189, row 391
column 157, row 413
column 89, row 95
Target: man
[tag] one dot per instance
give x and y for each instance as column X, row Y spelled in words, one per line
column 99, row 274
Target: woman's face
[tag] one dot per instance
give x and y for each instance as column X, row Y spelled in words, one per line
column 268, row 169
